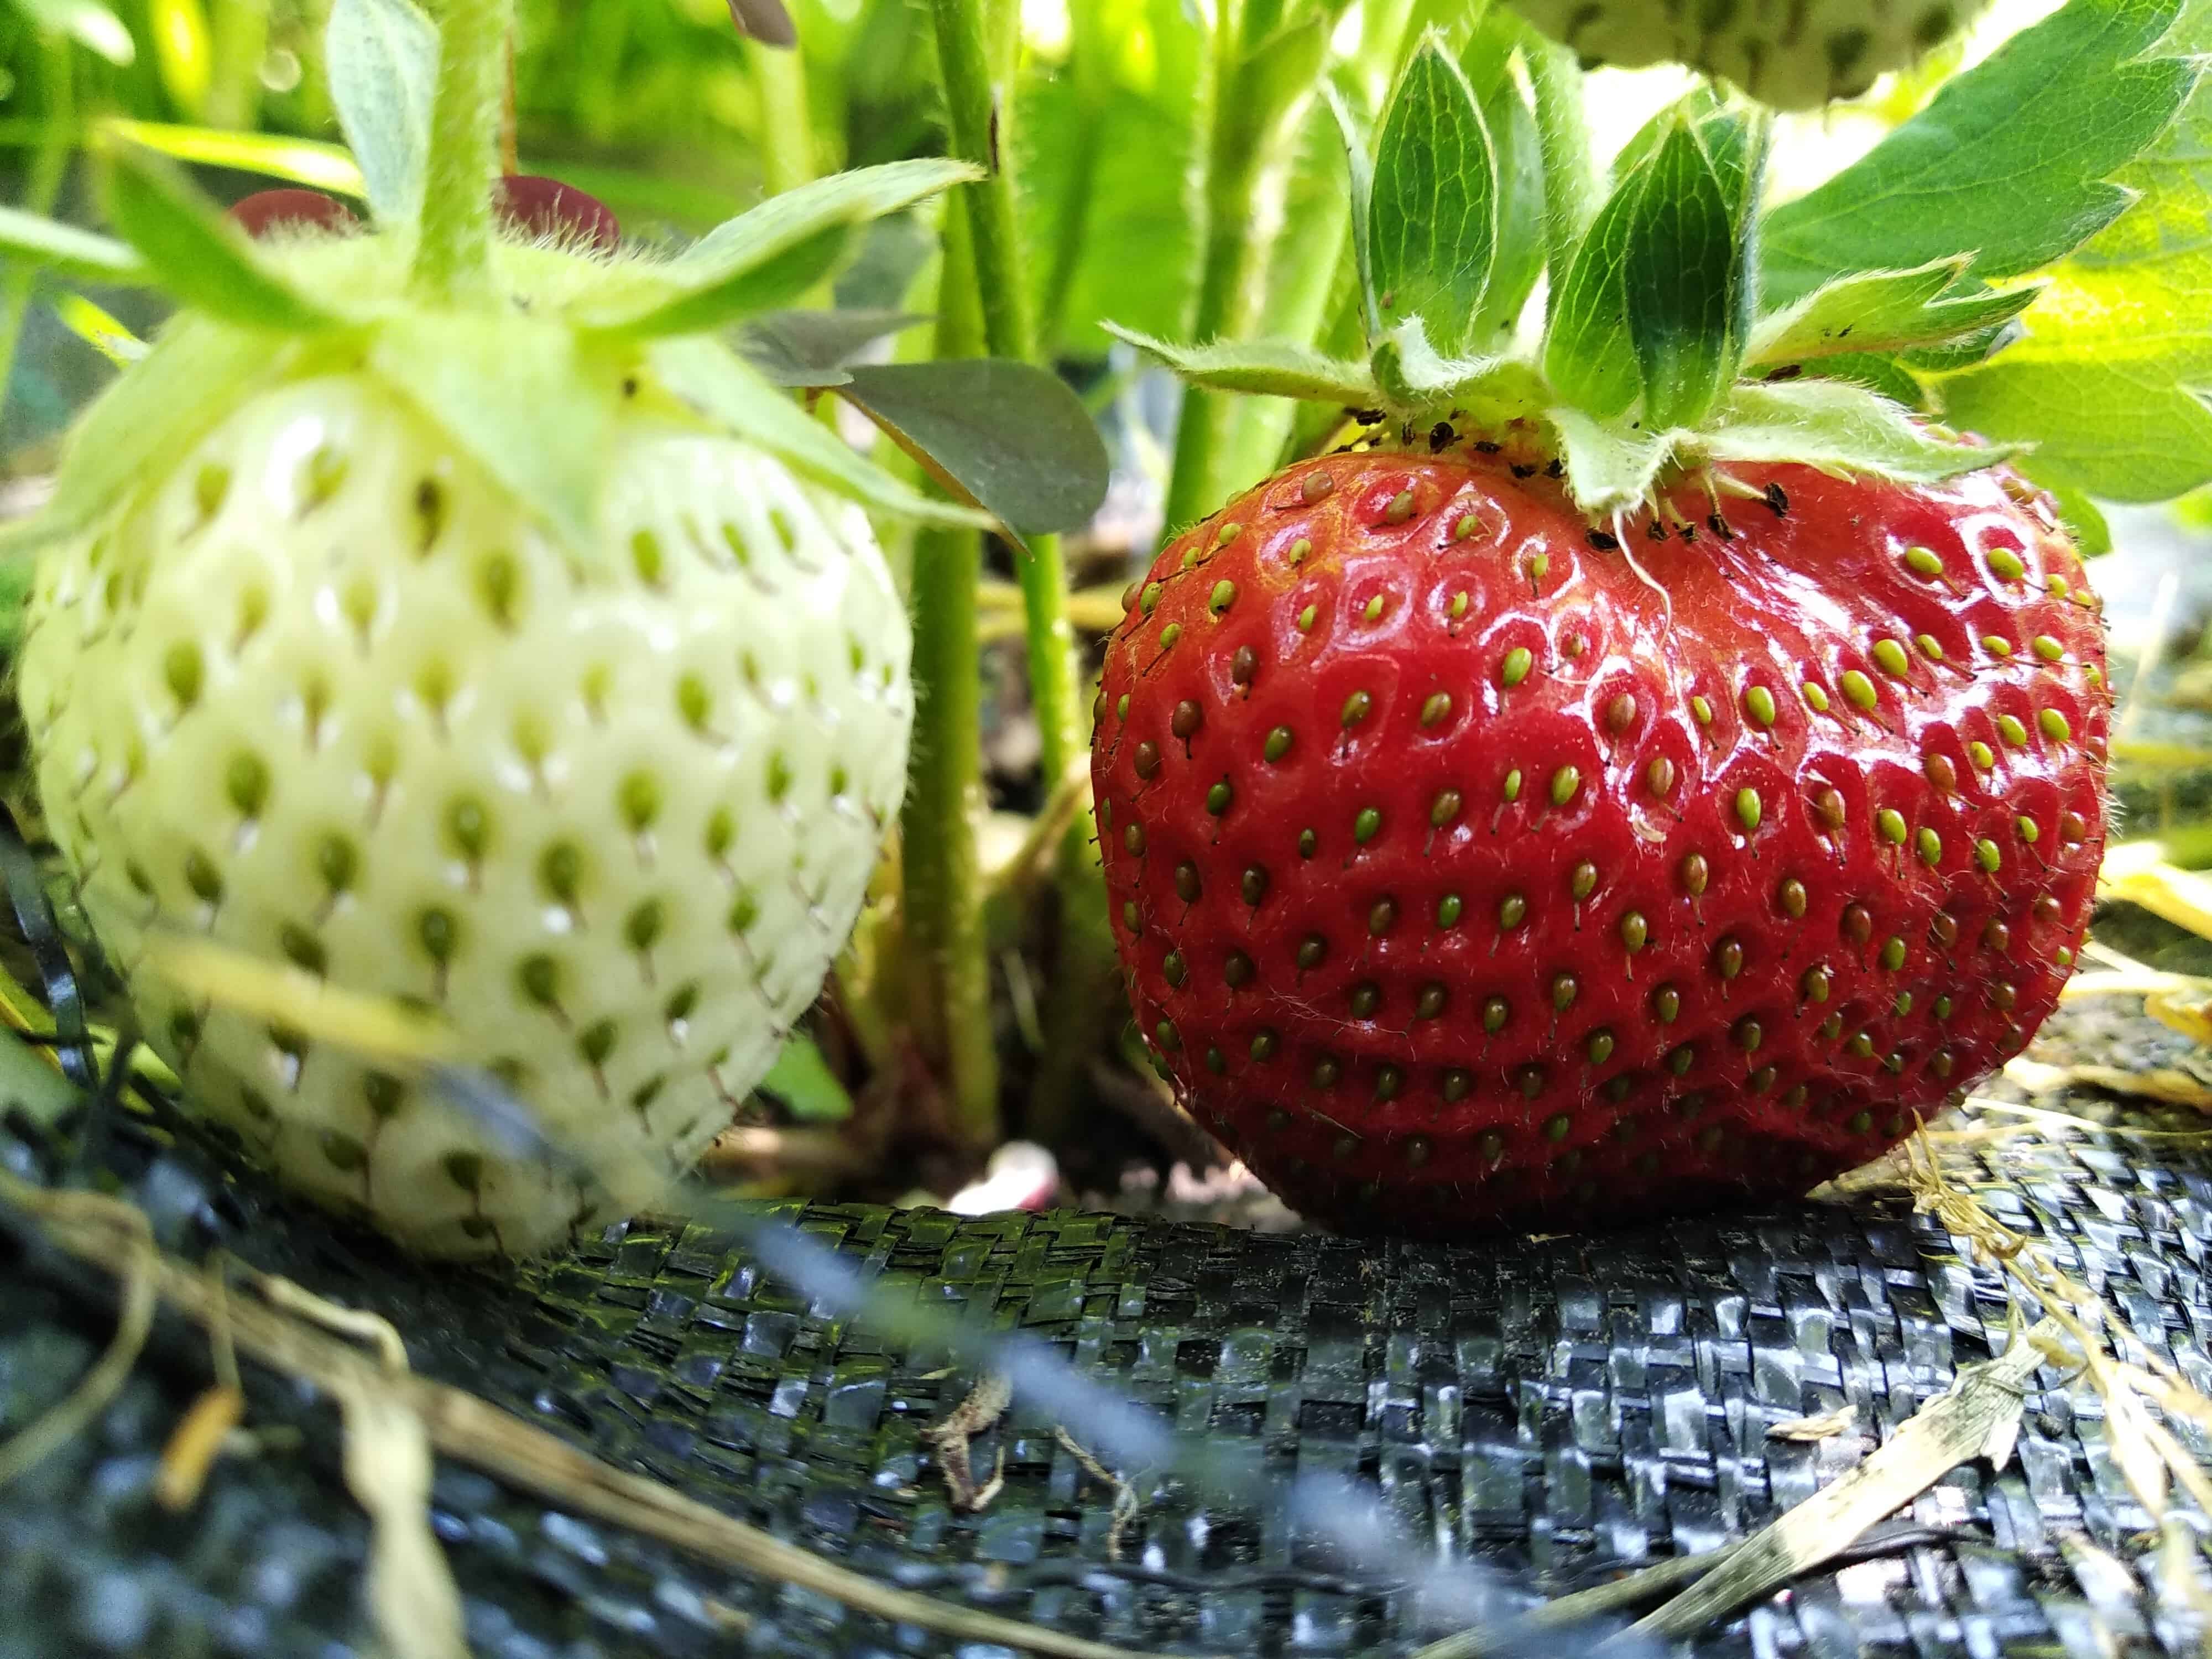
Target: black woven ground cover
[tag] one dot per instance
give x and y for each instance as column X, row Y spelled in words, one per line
column 1553, row 1408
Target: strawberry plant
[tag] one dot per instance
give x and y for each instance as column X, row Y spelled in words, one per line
column 1660, row 761
column 443, row 609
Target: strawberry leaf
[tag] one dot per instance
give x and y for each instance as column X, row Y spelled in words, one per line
column 1610, row 467
column 1359, row 167
column 782, row 221
column 1588, row 354
column 812, row 347
column 1886, row 311
column 718, row 387
column 299, row 160
column 519, row 395
column 1432, row 218
column 1010, row 437
column 1683, row 275
column 201, row 259
column 383, row 66
column 1274, row 368
column 146, row 420
column 777, row 280
column 1837, row 424
column 1490, row 389
column 1488, row 62
column 83, row 256
column 2112, row 377
column 2011, row 161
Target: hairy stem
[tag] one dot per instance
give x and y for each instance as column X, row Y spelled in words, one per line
column 1571, row 182
column 1255, row 95
column 49, row 167
column 452, row 259
column 942, row 894
column 787, row 134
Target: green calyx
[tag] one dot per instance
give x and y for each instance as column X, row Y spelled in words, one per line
column 1689, row 323
column 527, row 352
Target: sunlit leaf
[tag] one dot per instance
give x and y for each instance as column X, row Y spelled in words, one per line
column 1885, row 311
column 1271, row 368
column 382, row 58
column 1013, row 438
column 88, row 23
column 299, row 160
column 81, row 255
column 202, row 258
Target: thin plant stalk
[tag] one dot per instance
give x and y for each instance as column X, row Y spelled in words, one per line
column 941, row 882
column 1256, row 91
column 49, row 168
column 453, row 258
column 978, row 100
column 239, row 41
column 787, row 128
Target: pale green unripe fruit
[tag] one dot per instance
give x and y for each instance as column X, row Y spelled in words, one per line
column 1790, row 54
column 324, row 694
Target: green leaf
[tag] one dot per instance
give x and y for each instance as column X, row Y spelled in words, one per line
column 783, row 221
column 2111, row 378
column 2011, row 161
column 1682, row 276
column 1012, row 438
column 1834, row 423
column 88, row 23
column 1489, row 390
column 299, row 160
column 1588, row 354
column 202, row 258
column 812, row 347
column 722, row 391
column 776, row 280
column 1886, row 311
column 82, row 256
column 381, row 56
column 2084, row 522
column 2126, row 430
column 519, row 395
column 102, row 333
column 1360, row 167
column 803, row 1081
column 1274, row 368
column 146, row 420
column 1488, row 63
column 1432, row 219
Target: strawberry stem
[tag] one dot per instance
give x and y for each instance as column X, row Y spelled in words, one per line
column 452, row 259
column 941, row 898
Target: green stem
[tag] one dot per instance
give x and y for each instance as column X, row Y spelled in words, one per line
column 942, row 894
column 787, row 133
column 1255, row 93
column 452, row 260
column 1571, row 182
column 239, row 41
column 49, row 167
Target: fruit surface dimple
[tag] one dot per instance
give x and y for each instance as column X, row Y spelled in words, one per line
column 489, row 796
column 1555, row 861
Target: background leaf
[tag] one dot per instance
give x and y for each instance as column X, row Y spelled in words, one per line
column 1432, row 218
column 383, row 58
column 28, row 239
column 782, row 277
column 1013, row 438
column 2012, row 161
column 811, row 348
column 803, row 1081
column 299, row 160
column 2112, row 377
column 88, row 23
column 783, row 221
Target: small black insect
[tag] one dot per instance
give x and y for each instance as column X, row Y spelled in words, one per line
column 1520, row 471
column 1787, row 372
column 1557, row 470
column 1366, row 416
column 1483, row 446
column 1440, row 435
column 1689, row 531
column 1777, row 501
column 1405, row 431
column 1656, row 531
column 1604, row 543
column 1720, row 527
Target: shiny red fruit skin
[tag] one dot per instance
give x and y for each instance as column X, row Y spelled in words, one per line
column 1712, row 900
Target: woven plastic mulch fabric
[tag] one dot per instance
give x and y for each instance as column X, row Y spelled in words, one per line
column 1554, row 1408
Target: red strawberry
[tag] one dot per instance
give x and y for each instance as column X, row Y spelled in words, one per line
column 1474, row 871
